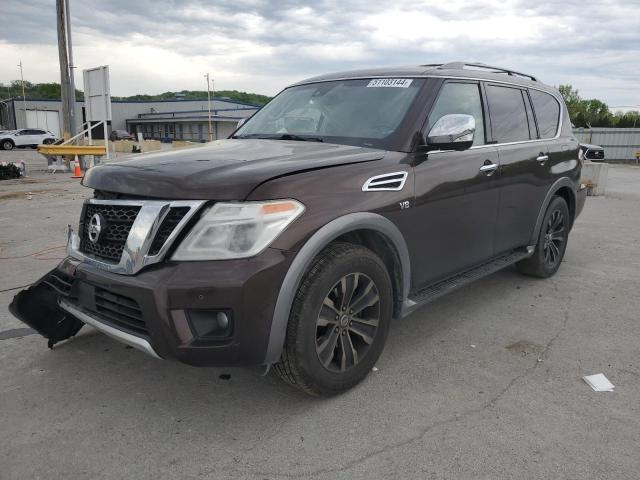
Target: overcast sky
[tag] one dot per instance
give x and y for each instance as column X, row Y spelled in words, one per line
column 153, row 46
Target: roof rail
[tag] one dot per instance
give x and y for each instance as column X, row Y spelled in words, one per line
column 480, row 66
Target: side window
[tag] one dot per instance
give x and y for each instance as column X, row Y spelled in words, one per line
column 459, row 98
column 547, row 111
column 508, row 115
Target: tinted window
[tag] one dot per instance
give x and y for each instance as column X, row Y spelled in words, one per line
column 459, row 98
column 508, row 115
column 547, row 113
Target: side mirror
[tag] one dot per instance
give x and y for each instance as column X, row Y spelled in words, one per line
column 452, row 132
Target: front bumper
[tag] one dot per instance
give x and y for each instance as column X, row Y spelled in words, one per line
column 164, row 294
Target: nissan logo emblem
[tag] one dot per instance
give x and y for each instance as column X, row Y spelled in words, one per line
column 96, row 224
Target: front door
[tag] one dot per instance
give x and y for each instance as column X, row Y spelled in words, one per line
column 456, row 199
column 23, row 137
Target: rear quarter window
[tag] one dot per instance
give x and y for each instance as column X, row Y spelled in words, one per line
column 547, row 111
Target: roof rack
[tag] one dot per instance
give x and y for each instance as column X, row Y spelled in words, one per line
column 479, row 66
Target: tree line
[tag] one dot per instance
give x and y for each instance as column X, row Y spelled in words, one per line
column 51, row 91
column 595, row 113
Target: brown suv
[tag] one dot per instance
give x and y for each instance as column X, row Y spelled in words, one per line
column 347, row 201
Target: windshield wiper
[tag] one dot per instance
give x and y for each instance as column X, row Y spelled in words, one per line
column 298, row 138
column 283, row 136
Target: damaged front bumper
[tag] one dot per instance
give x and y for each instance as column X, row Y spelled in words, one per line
column 165, row 310
column 38, row 307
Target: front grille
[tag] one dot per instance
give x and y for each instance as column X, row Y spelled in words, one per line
column 121, row 311
column 119, row 220
column 167, row 227
column 129, row 234
column 595, row 154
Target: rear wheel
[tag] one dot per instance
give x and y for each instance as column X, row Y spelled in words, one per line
column 7, row 145
column 339, row 321
column 552, row 242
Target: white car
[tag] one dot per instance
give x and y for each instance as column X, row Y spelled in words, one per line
column 26, row 137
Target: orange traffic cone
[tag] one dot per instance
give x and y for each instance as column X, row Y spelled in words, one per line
column 77, row 173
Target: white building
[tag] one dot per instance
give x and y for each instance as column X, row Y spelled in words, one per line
column 156, row 119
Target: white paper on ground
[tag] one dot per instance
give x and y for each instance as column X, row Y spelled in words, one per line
column 599, row 383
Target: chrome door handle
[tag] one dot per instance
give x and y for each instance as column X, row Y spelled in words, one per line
column 490, row 167
column 542, row 158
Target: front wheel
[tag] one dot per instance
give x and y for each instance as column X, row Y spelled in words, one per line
column 7, row 145
column 339, row 321
column 552, row 242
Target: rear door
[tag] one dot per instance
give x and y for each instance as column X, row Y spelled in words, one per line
column 524, row 174
column 37, row 136
column 454, row 217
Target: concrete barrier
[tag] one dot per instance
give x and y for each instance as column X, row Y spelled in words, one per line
column 594, row 176
column 184, row 144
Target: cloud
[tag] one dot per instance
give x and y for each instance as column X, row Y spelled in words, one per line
column 262, row 46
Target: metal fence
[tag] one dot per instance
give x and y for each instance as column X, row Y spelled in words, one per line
column 620, row 144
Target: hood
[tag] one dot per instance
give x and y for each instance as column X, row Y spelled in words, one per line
column 220, row 170
column 591, row 147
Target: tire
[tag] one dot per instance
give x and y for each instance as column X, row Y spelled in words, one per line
column 311, row 360
column 7, row 145
column 48, row 141
column 552, row 242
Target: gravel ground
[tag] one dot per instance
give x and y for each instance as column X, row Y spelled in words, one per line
column 482, row 384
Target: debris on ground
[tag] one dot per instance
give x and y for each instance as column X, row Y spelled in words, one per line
column 599, row 383
column 9, row 171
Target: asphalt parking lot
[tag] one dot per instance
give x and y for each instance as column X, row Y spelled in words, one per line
column 482, row 384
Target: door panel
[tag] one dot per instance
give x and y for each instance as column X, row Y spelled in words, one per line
column 454, row 215
column 522, row 178
column 524, row 182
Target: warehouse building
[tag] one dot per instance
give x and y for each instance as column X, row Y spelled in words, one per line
column 177, row 119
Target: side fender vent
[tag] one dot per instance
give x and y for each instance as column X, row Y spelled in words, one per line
column 389, row 182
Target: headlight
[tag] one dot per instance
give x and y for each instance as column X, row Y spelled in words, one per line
column 237, row 230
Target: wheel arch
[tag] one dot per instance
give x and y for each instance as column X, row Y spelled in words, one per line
column 368, row 229
column 563, row 187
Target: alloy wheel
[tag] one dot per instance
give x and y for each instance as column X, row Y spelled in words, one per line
column 347, row 323
column 554, row 238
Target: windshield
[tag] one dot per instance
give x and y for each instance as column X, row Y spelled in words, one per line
column 364, row 112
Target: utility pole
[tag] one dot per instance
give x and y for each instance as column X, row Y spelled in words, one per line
column 209, row 104
column 63, row 54
column 72, row 83
column 24, row 102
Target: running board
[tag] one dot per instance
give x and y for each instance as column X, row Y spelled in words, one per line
column 443, row 287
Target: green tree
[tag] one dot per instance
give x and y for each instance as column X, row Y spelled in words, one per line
column 586, row 113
